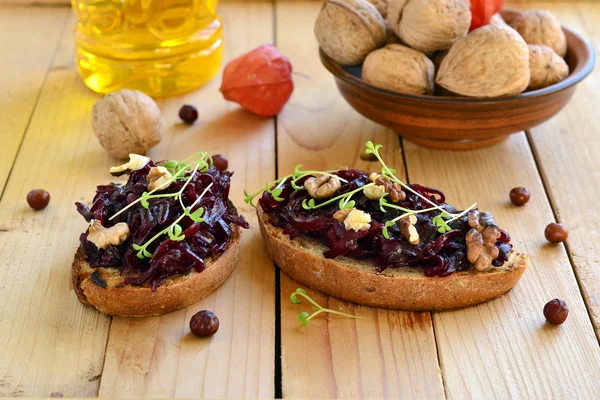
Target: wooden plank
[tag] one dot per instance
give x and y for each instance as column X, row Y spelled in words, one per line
column 388, row 354
column 567, row 149
column 49, row 342
column 22, row 72
column 504, row 349
column 158, row 357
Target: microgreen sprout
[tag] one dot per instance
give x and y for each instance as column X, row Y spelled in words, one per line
column 345, row 200
column 178, row 171
column 174, row 231
column 275, row 188
column 304, row 318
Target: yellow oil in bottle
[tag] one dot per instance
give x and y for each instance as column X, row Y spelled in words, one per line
column 160, row 47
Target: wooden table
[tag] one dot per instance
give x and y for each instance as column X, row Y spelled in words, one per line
column 50, row 343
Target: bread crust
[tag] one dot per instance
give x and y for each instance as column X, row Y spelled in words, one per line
column 404, row 288
column 107, row 292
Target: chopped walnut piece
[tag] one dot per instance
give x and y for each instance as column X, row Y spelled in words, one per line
column 353, row 219
column 159, row 178
column 481, row 240
column 103, row 237
column 323, row 186
column 136, row 162
column 408, row 230
column 392, row 188
column 479, row 221
column 341, row 215
column 374, row 192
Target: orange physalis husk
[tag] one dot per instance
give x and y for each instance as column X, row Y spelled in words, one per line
column 260, row 81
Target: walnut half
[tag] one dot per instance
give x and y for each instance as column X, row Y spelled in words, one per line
column 481, row 240
column 408, row 230
column 103, row 237
column 323, row 186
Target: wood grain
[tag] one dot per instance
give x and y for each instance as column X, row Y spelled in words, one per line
column 158, row 357
column 22, row 72
column 567, row 149
column 49, row 342
column 504, row 348
column 388, row 354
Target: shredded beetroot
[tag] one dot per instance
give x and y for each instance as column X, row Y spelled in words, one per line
column 170, row 258
column 438, row 254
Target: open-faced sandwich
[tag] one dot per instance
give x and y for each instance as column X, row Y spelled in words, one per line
column 160, row 242
column 374, row 240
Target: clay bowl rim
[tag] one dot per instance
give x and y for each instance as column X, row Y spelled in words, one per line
column 584, row 67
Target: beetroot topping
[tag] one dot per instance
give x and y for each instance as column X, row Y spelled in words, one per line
column 439, row 254
column 377, row 216
column 173, row 230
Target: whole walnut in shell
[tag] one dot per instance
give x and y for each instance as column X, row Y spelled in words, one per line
column 545, row 66
column 399, row 68
column 429, row 25
column 348, row 30
column 541, row 27
column 127, row 122
column 491, row 61
column 381, row 6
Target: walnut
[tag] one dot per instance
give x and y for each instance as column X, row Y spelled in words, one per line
column 348, row 30
column 399, row 68
column 429, row 25
column 374, row 192
column 479, row 221
column 127, row 122
column 341, row 215
column 322, row 187
column 491, row 61
column 481, row 240
column 545, row 66
column 136, row 162
column 408, row 230
column 480, row 247
column 381, row 6
column 103, row 237
column 392, row 188
column 353, row 219
column 159, row 178
column 541, row 27
column 498, row 20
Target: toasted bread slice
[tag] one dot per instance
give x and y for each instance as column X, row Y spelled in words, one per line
column 405, row 288
column 104, row 289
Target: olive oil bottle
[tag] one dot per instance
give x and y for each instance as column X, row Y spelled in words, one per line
column 160, row 47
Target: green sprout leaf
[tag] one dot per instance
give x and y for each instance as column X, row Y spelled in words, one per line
column 196, row 216
column 371, row 148
column 295, row 186
column 346, row 203
column 297, row 171
column 303, row 318
column 175, row 233
column 276, row 194
column 294, row 296
column 144, row 201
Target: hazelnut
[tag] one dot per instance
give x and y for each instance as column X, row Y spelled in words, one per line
column 127, row 122
column 556, row 311
column 188, row 114
column 348, row 30
column 541, row 27
column 545, row 66
column 429, row 25
column 519, row 196
column 556, row 233
column 204, row 323
column 491, row 61
column 38, row 199
column 399, row 68
column 220, row 161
